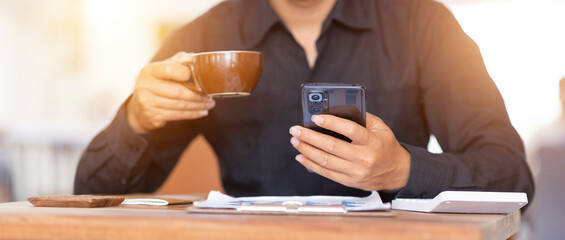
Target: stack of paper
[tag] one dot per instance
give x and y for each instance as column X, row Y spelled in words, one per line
column 322, row 203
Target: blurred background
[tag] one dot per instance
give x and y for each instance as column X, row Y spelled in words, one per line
column 67, row 65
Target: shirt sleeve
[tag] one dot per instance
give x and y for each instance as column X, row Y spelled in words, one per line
column 107, row 164
column 466, row 113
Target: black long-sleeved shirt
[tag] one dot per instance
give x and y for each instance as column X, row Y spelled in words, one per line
column 423, row 76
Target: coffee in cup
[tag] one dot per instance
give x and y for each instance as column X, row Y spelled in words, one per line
column 226, row 73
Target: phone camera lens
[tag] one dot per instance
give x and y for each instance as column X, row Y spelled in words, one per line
column 315, row 97
column 315, row 110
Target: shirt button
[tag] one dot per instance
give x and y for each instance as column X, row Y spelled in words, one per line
column 123, row 181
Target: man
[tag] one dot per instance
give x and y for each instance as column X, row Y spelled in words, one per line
column 423, row 76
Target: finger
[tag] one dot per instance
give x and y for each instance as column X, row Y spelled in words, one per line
column 324, row 142
column 182, row 58
column 175, row 104
column 374, row 122
column 357, row 133
column 168, row 70
column 321, row 158
column 330, row 174
column 174, row 115
column 171, row 90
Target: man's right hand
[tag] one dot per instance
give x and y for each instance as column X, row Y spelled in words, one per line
column 160, row 96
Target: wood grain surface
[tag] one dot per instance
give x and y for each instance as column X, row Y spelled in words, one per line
column 80, row 201
column 20, row 220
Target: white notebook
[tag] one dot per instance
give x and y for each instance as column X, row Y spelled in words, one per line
column 465, row 202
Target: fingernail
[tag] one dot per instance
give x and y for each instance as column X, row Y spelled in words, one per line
column 211, row 104
column 317, row 119
column 294, row 131
column 294, row 141
column 299, row 158
column 203, row 112
column 184, row 57
column 206, row 98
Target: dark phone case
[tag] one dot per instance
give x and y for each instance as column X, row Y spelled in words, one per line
column 341, row 100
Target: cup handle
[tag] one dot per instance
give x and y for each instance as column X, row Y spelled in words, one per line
column 192, row 84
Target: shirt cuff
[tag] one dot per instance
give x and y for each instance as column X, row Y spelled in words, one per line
column 127, row 145
column 428, row 174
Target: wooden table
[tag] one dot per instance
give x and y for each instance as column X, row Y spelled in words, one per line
column 20, row 220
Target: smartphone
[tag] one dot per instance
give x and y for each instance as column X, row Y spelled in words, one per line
column 341, row 100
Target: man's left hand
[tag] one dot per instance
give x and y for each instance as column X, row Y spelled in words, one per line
column 374, row 160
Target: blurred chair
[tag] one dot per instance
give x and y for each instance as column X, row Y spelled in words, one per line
column 5, row 175
column 544, row 218
column 546, row 214
column 196, row 171
column 5, row 183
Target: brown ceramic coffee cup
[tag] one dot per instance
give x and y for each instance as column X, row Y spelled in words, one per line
column 226, row 73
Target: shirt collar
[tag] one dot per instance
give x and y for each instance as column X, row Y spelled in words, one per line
column 260, row 18
column 351, row 13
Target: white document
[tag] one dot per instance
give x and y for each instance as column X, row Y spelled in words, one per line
column 465, row 202
column 306, row 203
column 146, row 201
column 159, row 200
